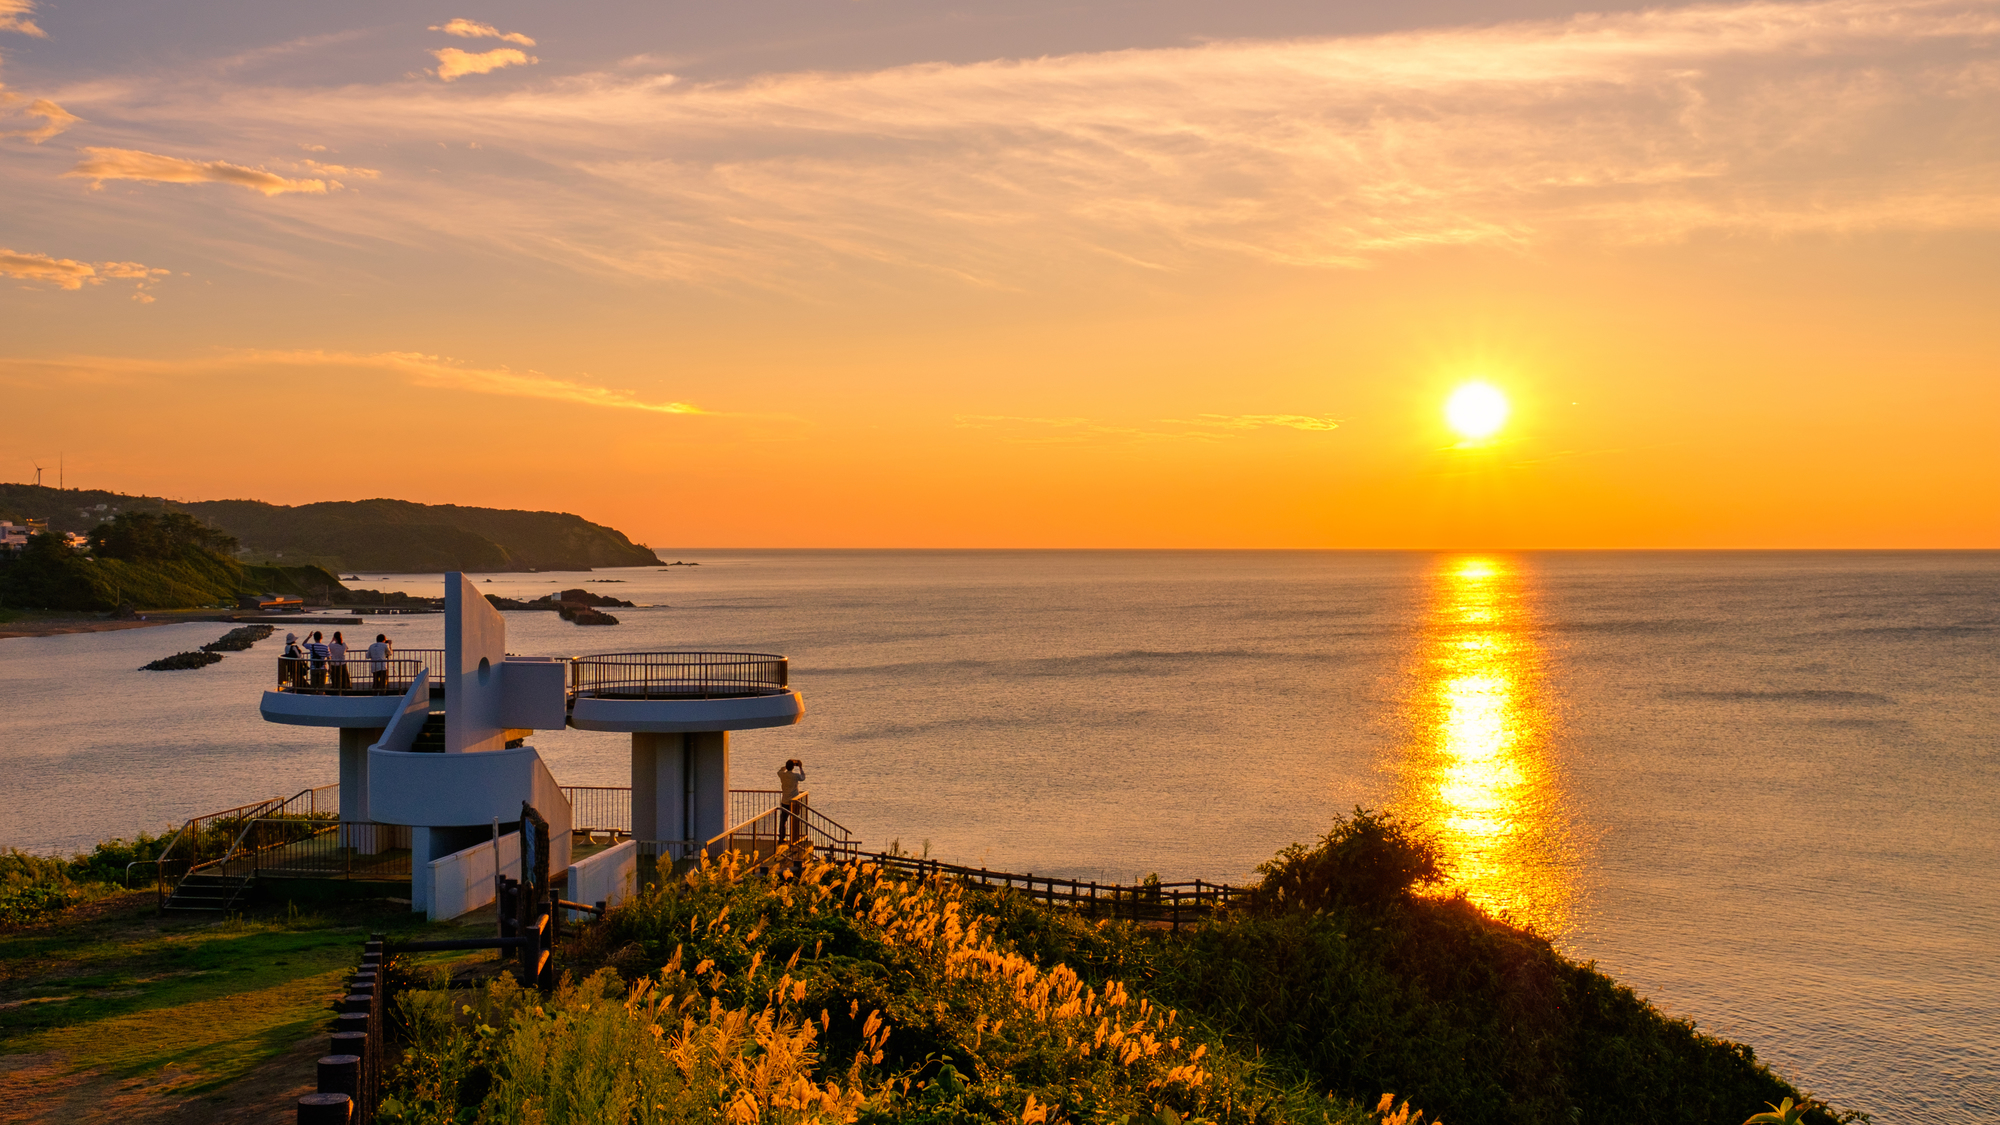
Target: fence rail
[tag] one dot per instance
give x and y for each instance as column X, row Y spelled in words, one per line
column 678, row 675
column 599, row 808
column 356, row 674
column 1170, row 903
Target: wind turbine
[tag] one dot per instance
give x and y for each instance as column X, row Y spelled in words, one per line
column 38, row 471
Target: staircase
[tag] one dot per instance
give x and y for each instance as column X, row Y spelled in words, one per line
column 430, row 739
column 202, row 891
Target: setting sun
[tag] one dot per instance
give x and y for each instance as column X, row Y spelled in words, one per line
column 1476, row 411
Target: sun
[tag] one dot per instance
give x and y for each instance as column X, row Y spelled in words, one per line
column 1476, row 411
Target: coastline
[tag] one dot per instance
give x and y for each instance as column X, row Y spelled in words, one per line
column 58, row 626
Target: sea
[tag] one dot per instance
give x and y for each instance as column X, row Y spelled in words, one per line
column 1762, row 789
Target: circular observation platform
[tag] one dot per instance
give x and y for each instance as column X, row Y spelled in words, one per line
column 681, row 692
column 347, row 693
column 308, row 710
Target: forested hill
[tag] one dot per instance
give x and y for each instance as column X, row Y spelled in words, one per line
column 351, row 535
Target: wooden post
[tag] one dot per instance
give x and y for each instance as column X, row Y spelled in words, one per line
column 325, row 1109
column 349, row 1043
column 340, row 1074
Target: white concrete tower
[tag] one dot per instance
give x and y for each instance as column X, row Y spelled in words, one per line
column 679, row 708
column 451, row 799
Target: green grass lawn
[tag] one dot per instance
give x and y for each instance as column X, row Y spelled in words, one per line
column 111, row 993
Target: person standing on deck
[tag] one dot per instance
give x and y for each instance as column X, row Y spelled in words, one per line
column 790, row 776
column 317, row 651
column 378, row 661
column 336, row 658
column 294, row 662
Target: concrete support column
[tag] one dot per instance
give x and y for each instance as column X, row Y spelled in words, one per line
column 420, row 870
column 708, row 753
column 659, row 786
column 354, row 744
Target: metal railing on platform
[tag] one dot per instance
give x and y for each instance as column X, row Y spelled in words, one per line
column 356, row 674
column 305, row 849
column 678, row 675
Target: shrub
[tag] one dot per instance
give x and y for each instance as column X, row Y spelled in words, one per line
column 32, row 904
column 1369, row 860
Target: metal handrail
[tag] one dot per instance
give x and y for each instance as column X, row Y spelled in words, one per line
column 356, row 673
column 282, row 812
column 679, row 675
column 805, row 822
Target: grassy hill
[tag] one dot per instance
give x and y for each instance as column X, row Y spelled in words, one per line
column 387, row 535
column 148, row 560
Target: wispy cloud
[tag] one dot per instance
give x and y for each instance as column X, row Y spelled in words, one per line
column 1763, row 119
column 1029, row 430
column 67, row 273
column 102, row 164
column 441, row 371
column 454, row 63
column 1260, row 421
column 342, row 170
column 473, row 29
column 15, row 16
column 64, row 273
column 55, row 118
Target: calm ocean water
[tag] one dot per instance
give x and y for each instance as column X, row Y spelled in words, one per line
column 1762, row 789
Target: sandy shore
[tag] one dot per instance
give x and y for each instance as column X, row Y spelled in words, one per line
column 58, row 626
column 52, row 625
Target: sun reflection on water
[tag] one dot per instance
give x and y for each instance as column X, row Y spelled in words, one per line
column 1477, row 767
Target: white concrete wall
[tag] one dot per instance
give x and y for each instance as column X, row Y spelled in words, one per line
column 463, row 880
column 468, row 790
column 534, row 693
column 475, row 645
column 610, row 877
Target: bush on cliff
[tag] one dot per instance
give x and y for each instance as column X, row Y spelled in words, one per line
column 1339, row 965
column 850, row 994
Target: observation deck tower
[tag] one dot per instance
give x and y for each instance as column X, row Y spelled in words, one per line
column 434, row 743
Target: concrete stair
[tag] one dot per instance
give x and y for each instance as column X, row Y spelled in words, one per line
column 202, row 891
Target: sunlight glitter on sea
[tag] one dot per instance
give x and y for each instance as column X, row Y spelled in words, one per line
column 1476, row 765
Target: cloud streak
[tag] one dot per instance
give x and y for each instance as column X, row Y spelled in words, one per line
column 55, row 118
column 100, row 164
column 472, row 29
column 67, row 273
column 15, row 16
column 454, row 63
column 1028, row 430
column 443, row 372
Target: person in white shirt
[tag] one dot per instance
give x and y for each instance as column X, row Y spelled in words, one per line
column 378, row 661
column 336, row 656
column 791, row 775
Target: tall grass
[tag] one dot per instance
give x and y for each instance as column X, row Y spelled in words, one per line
column 850, row 993
column 843, row 993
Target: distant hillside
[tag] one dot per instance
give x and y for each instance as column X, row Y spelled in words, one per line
column 391, row 535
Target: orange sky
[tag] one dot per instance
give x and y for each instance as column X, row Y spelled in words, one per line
column 1733, row 265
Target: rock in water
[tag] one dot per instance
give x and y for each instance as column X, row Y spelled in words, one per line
column 584, row 615
column 181, row 661
column 239, row 639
